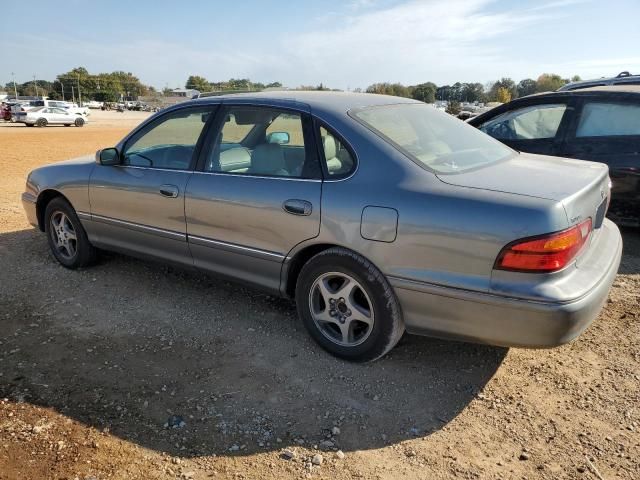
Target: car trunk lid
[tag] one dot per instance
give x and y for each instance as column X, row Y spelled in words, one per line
column 582, row 187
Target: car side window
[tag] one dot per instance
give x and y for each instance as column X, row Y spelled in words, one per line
column 167, row 143
column 528, row 123
column 600, row 119
column 259, row 141
column 337, row 158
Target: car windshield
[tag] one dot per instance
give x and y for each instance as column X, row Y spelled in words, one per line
column 435, row 140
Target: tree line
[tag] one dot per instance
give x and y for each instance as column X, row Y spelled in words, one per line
column 196, row 82
column 503, row 90
column 78, row 84
column 110, row 87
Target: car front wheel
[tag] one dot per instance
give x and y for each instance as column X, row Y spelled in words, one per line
column 41, row 122
column 348, row 306
column 66, row 236
column 79, row 122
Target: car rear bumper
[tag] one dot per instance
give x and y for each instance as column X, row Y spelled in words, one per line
column 512, row 322
column 29, row 205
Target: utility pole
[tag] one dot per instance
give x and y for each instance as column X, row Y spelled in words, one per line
column 73, row 95
column 15, row 90
column 35, row 85
column 62, row 86
column 79, row 94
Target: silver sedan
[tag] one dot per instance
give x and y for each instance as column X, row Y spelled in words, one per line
column 376, row 214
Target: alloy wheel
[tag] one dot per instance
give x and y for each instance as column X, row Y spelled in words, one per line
column 341, row 309
column 63, row 235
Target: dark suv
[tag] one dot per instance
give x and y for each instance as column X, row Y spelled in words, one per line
column 600, row 124
column 623, row 78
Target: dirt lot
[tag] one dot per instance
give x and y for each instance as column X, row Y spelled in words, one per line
column 94, row 363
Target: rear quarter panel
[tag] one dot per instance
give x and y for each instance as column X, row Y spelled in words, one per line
column 447, row 235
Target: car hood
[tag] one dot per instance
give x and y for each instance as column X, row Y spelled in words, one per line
column 540, row 176
column 56, row 174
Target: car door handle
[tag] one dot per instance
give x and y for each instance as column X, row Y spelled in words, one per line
column 170, row 191
column 297, row 207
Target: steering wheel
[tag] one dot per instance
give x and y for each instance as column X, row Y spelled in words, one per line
column 502, row 131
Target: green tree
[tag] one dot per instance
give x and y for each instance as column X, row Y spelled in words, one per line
column 576, row 78
column 472, row 92
column 549, row 82
column 196, row 82
column 453, row 107
column 386, row 88
column 528, row 86
column 425, row 92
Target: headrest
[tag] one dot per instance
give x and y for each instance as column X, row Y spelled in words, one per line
column 330, row 147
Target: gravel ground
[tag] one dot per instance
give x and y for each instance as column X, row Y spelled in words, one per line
column 137, row 370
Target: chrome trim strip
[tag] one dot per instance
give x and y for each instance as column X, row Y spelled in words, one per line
column 232, row 247
column 139, row 227
column 244, row 175
column 153, row 169
column 83, row 215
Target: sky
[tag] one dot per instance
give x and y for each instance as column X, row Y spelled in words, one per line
column 343, row 44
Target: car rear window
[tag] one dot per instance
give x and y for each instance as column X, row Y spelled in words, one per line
column 601, row 119
column 433, row 139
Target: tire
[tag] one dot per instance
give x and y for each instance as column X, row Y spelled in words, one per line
column 364, row 320
column 79, row 122
column 61, row 221
column 41, row 122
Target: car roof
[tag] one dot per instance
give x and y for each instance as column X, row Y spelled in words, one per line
column 329, row 102
column 586, row 91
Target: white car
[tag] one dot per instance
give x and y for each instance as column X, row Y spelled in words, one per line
column 33, row 104
column 43, row 116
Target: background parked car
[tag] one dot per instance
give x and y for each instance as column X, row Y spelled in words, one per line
column 5, row 112
column 43, row 116
column 599, row 123
column 623, row 78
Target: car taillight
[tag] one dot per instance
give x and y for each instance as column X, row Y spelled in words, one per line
column 546, row 253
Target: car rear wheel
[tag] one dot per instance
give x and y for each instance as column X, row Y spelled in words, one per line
column 66, row 236
column 41, row 122
column 79, row 122
column 348, row 306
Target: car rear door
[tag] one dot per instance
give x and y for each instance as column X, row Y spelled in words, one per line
column 607, row 129
column 59, row 115
column 138, row 205
column 255, row 194
column 537, row 126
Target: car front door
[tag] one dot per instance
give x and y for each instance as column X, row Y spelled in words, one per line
column 534, row 128
column 138, row 205
column 255, row 194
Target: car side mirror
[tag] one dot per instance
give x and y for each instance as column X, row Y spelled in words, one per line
column 280, row 138
column 108, row 157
